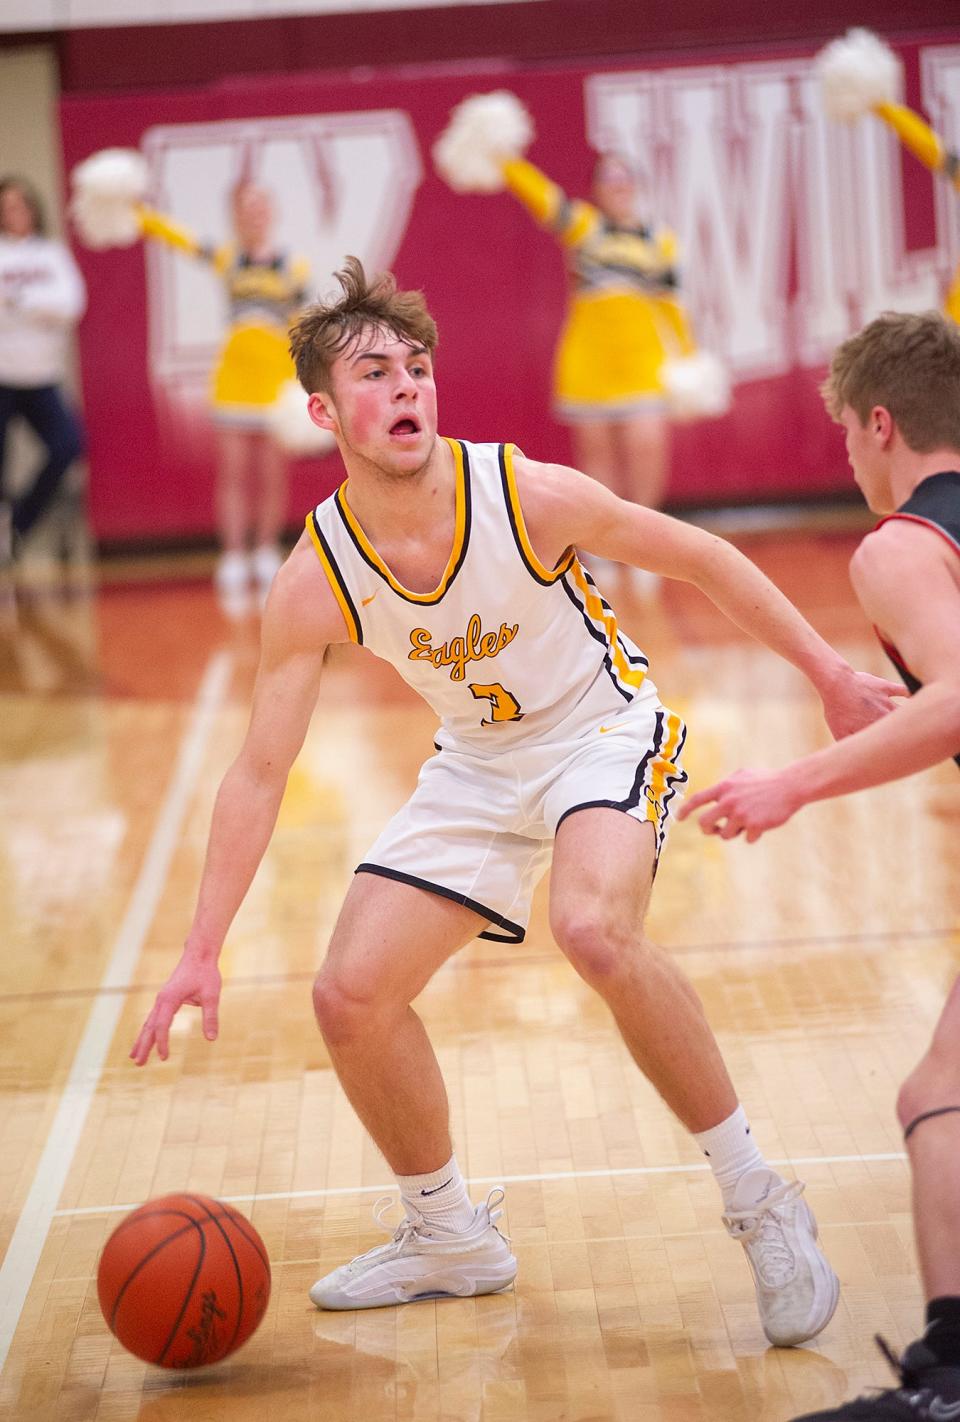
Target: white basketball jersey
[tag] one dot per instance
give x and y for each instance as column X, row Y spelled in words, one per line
column 505, row 650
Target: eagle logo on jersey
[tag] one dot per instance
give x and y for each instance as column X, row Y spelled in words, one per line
column 473, row 646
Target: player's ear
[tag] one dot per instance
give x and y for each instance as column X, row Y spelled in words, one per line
column 321, row 410
column 880, row 422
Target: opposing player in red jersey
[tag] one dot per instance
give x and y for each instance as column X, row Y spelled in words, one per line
column 895, row 389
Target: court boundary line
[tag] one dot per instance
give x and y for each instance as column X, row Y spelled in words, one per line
column 39, row 1209
column 620, row 1172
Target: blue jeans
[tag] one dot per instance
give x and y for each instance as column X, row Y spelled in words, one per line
column 48, row 415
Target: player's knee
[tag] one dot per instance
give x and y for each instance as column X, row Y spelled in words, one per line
column 342, row 1016
column 910, row 1101
column 594, row 941
column 934, row 1082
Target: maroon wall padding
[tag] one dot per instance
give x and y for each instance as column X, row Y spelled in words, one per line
column 496, row 284
column 160, row 55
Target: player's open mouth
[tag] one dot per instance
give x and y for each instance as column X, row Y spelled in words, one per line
column 406, row 426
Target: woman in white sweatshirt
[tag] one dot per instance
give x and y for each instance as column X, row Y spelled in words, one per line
column 42, row 296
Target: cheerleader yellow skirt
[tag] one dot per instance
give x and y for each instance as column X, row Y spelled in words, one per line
column 254, row 364
column 952, row 303
column 611, row 354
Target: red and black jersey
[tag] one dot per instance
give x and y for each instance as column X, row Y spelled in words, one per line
column 935, row 502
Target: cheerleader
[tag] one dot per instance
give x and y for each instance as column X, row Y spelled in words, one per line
column 625, row 334
column 264, row 287
column 860, row 74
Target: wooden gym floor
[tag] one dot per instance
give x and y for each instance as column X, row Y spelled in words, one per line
column 822, row 955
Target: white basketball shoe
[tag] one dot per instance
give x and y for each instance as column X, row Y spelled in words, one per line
column 423, row 1261
column 797, row 1291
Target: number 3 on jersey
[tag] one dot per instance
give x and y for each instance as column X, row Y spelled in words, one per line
column 505, row 706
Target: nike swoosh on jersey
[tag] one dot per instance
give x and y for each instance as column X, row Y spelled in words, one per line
column 604, row 729
column 364, row 601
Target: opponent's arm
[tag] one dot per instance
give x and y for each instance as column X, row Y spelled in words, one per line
column 906, row 585
column 300, row 620
column 563, row 507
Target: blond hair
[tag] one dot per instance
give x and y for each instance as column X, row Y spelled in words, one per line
column 326, row 329
column 908, row 362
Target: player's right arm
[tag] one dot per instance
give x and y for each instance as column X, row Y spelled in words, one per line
column 301, row 620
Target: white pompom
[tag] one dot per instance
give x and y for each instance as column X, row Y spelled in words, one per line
column 856, row 72
column 696, row 386
column 483, row 131
column 291, row 425
column 106, row 188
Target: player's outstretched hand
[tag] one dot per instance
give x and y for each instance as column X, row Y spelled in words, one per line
column 194, row 982
column 748, row 802
column 857, row 699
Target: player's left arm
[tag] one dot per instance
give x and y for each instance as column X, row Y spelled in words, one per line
column 563, row 507
column 907, row 584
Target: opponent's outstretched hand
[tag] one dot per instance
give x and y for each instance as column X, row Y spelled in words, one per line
column 747, row 802
column 194, row 982
column 857, row 699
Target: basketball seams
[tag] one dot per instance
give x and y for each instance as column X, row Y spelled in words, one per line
column 187, row 1296
column 147, row 1258
column 255, row 1242
column 215, row 1219
column 230, row 1270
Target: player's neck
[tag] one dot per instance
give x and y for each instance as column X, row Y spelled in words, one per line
column 913, row 468
column 386, row 502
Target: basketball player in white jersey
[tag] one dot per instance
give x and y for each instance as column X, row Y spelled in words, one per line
column 456, row 563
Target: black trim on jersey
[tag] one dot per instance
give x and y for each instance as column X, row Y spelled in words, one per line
column 635, row 795
column 639, row 784
column 467, row 512
column 341, row 582
column 599, row 637
column 935, row 504
column 514, row 934
column 616, row 805
column 467, row 523
column 636, row 790
column 502, row 461
column 640, row 660
column 911, row 682
column 670, row 790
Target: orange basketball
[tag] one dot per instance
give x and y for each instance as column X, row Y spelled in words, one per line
column 183, row 1281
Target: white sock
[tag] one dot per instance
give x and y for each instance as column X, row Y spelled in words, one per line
column 731, row 1151
column 440, row 1197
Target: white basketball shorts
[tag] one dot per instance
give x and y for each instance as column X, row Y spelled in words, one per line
column 480, row 830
